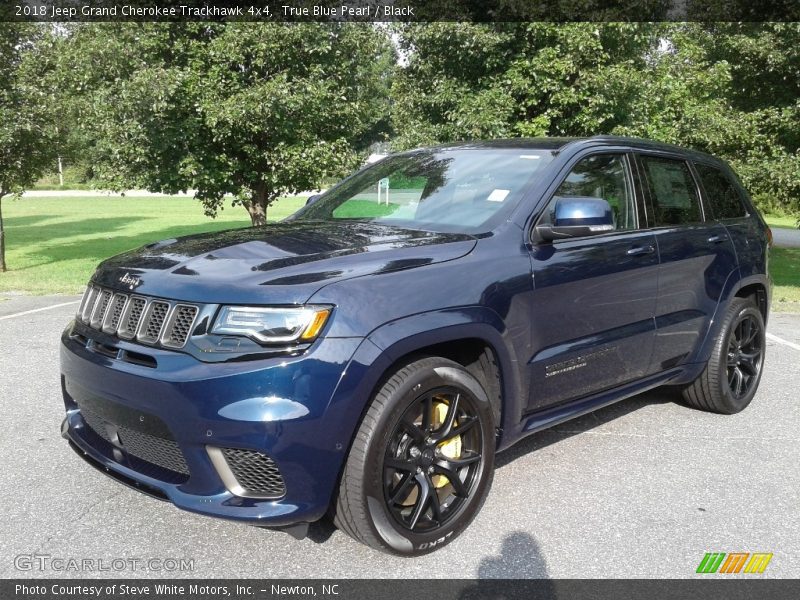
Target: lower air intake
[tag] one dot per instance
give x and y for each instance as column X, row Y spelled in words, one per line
column 248, row 473
column 163, row 452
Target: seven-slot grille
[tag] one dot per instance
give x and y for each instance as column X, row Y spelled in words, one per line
column 147, row 320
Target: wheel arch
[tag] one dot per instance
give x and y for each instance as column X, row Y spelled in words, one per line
column 475, row 338
column 755, row 286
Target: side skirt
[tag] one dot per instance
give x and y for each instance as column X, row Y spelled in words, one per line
column 548, row 417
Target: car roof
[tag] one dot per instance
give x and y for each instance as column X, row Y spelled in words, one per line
column 540, row 143
column 560, row 143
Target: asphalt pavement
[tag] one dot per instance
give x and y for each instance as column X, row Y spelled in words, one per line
column 641, row 489
column 783, row 237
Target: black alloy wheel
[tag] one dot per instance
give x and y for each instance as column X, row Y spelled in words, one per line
column 432, row 459
column 730, row 379
column 745, row 352
column 422, row 461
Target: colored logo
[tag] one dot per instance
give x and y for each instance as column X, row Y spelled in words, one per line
column 734, row 562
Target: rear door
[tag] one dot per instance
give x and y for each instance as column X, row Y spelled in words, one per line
column 697, row 257
column 724, row 198
column 594, row 298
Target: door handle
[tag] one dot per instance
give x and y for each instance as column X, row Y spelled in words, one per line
column 717, row 239
column 640, row 250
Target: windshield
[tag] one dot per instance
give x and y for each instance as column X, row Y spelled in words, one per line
column 460, row 190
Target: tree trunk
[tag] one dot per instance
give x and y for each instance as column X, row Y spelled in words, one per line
column 2, row 235
column 257, row 206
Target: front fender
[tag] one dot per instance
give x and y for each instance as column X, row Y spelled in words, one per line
column 386, row 345
column 411, row 334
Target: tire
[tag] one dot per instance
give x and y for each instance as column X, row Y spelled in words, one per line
column 394, row 495
column 731, row 377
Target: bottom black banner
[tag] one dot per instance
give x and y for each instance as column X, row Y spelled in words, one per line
column 398, row 589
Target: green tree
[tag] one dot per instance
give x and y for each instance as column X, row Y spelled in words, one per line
column 251, row 110
column 468, row 81
column 726, row 88
column 733, row 90
column 26, row 133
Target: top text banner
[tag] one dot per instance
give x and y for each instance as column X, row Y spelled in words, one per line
column 65, row 11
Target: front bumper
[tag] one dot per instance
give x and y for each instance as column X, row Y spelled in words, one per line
column 300, row 411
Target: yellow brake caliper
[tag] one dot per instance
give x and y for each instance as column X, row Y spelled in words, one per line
column 451, row 448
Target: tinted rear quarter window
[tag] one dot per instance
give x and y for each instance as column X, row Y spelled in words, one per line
column 720, row 193
column 672, row 191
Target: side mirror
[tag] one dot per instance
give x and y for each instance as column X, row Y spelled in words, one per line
column 313, row 198
column 577, row 217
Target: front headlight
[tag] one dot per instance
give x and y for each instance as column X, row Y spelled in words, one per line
column 272, row 325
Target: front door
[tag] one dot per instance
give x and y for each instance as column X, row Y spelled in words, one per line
column 592, row 322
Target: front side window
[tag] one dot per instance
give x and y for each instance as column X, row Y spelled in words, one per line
column 721, row 194
column 458, row 190
column 672, row 190
column 603, row 176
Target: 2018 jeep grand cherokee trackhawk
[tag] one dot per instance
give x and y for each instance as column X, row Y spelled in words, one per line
column 369, row 355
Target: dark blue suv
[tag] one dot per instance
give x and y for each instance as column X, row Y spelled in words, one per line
column 368, row 357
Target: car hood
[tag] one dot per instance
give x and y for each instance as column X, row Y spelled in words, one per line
column 284, row 263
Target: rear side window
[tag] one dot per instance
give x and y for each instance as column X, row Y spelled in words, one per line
column 721, row 193
column 672, row 190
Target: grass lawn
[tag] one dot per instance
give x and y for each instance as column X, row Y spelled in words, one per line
column 785, row 269
column 363, row 208
column 787, row 222
column 54, row 244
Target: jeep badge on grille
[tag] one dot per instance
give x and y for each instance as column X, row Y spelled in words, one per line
column 131, row 281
